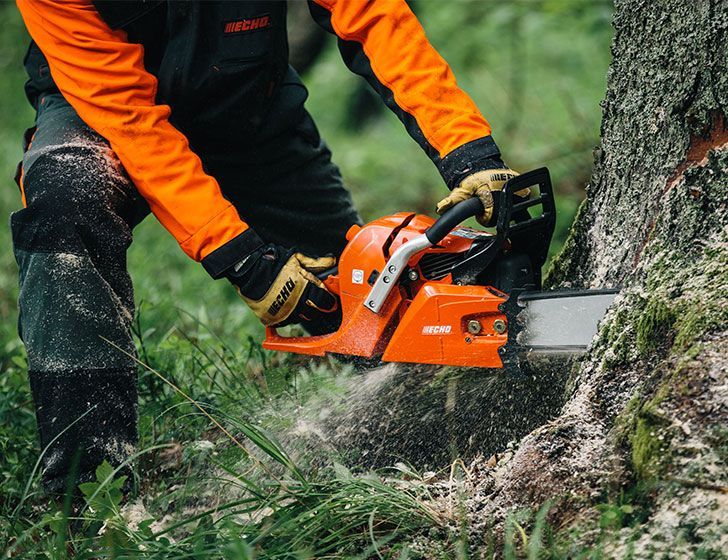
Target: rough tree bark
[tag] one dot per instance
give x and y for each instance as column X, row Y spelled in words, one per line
column 645, row 414
column 648, row 409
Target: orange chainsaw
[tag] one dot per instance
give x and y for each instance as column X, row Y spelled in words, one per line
column 417, row 290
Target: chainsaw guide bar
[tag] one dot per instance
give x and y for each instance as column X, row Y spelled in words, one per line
column 561, row 321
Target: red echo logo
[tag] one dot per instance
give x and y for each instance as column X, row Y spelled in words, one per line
column 243, row 25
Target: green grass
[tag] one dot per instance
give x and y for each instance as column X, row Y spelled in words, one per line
column 537, row 69
column 215, row 481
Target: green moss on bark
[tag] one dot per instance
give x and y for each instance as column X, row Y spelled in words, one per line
column 654, row 326
column 648, row 443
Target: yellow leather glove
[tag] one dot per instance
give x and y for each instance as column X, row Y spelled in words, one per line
column 279, row 286
column 481, row 184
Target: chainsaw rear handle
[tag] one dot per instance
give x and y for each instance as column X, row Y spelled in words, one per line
column 452, row 217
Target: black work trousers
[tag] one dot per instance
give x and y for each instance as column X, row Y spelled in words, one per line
column 70, row 242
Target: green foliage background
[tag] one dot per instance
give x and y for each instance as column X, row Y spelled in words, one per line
column 537, row 70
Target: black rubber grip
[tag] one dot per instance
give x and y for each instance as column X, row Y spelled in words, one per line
column 452, row 217
column 328, row 272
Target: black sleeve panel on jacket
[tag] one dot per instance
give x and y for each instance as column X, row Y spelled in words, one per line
column 383, row 42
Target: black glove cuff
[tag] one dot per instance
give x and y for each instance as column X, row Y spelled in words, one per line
column 228, row 255
column 469, row 158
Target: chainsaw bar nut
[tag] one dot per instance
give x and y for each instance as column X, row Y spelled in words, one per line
column 474, row 326
column 499, row 326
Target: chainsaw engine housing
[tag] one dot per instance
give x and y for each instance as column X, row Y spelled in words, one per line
column 447, row 305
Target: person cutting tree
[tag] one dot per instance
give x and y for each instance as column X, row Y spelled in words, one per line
column 190, row 111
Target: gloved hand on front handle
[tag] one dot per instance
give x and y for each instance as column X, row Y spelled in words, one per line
column 279, row 286
column 481, row 184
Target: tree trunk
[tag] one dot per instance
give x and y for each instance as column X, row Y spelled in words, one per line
column 643, row 418
column 647, row 419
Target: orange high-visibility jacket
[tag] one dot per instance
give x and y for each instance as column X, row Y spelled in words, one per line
column 141, row 73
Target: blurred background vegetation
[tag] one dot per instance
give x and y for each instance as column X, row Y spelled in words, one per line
column 536, row 69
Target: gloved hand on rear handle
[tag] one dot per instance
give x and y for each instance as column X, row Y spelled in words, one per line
column 279, row 285
column 482, row 184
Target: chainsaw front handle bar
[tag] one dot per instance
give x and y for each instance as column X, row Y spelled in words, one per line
column 397, row 263
column 472, row 207
column 452, row 218
column 434, row 234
